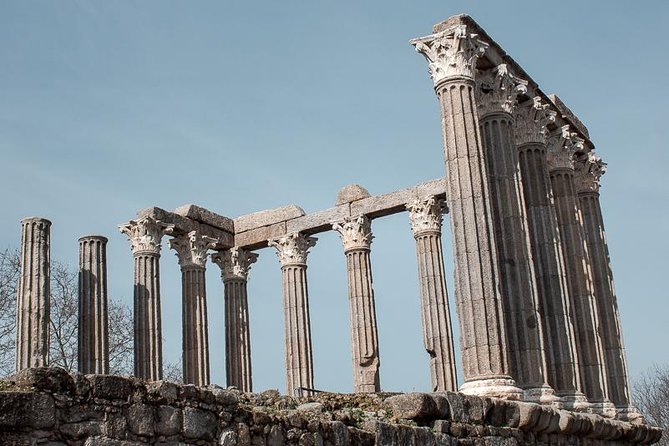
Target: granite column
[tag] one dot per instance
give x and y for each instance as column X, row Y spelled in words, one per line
column 426, row 220
column 93, row 306
column 33, row 299
column 452, row 54
column 191, row 250
column 145, row 235
column 497, row 92
column 562, row 372
column 235, row 264
column 588, row 171
column 561, row 151
column 292, row 251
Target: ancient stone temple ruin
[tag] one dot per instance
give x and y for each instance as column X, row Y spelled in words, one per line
column 540, row 336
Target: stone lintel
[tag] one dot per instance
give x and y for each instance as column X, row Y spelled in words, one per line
column 395, row 202
column 267, row 218
column 257, row 238
column 206, row 216
column 184, row 225
column 495, row 55
column 321, row 221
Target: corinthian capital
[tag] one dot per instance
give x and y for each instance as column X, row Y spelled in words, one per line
column 426, row 215
column 293, row 248
column 235, row 263
column 191, row 249
column 451, row 53
column 498, row 90
column 355, row 232
column 144, row 234
column 588, row 169
column 532, row 120
column 562, row 147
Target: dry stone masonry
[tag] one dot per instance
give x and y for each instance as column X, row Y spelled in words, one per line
column 543, row 358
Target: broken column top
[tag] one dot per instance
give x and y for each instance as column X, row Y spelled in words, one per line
column 36, row 220
column 101, row 238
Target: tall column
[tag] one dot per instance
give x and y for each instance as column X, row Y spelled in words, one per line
column 93, row 311
column 451, row 56
column 589, row 170
column 235, row 264
column 497, row 91
column 562, row 369
column 356, row 235
column 145, row 235
column 33, row 303
column 561, row 150
column 292, row 251
column 426, row 219
column 191, row 250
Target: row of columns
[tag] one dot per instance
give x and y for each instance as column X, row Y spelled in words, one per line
column 145, row 235
column 533, row 286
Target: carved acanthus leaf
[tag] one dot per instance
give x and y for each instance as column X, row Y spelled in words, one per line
column 532, row 120
column 235, row 263
column 144, row 234
column 563, row 145
column 498, row 90
column 293, row 248
column 191, row 249
column 588, row 168
column 451, row 53
column 355, row 232
column 426, row 215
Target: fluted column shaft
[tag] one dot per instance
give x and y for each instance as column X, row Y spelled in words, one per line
column 562, row 360
column 498, row 90
column 33, row 299
column 588, row 173
column 452, row 56
column 292, row 251
column 93, row 341
column 191, row 250
column 235, row 264
column 426, row 219
column 145, row 235
column 356, row 236
column 195, row 338
column 579, row 281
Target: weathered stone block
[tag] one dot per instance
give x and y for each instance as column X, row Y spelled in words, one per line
column 101, row 441
column 141, row 418
column 412, row 406
column 110, row 387
column 168, row 420
column 163, row 391
column 82, row 429
column 45, row 379
column 228, row 438
column 275, row 436
column 27, row 409
column 199, row 424
column 115, row 426
column 266, row 218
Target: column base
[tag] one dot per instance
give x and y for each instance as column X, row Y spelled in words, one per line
column 575, row 401
column 630, row 414
column 540, row 395
column 604, row 408
column 504, row 388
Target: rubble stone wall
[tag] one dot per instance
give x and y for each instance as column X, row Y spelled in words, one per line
column 49, row 406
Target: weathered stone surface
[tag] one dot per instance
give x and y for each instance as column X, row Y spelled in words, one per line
column 141, row 418
column 82, row 429
column 351, row 193
column 203, row 215
column 257, row 238
column 394, row 202
column 26, row 409
column 267, row 218
column 168, row 420
column 413, row 406
column 110, row 387
column 46, row 379
column 199, row 424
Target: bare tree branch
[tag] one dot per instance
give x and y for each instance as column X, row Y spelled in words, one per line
column 651, row 396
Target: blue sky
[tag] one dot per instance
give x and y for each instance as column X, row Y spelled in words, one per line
column 109, row 107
